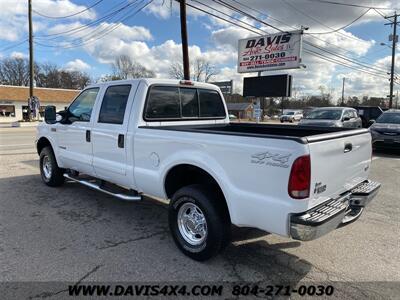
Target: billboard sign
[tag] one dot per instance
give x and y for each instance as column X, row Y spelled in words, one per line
column 268, row 86
column 270, row 52
column 226, row 87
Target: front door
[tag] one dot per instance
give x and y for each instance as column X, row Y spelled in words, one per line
column 109, row 134
column 74, row 138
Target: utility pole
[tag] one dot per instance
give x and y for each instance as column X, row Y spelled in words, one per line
column 185, row 51
column 394, row 41
column 344, row 79
column 30, row 56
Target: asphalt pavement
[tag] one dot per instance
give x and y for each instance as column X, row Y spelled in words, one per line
column 71, row 232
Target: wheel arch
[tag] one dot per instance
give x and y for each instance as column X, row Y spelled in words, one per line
column 186, row 174
column 42, row 143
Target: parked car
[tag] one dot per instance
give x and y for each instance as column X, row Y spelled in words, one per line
column 332, row 117
column 232, row 117
column 368, row 113
column 173, row 140
column 386, row 130
column 291, row 116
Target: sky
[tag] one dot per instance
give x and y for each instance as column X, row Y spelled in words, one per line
column 149, row 32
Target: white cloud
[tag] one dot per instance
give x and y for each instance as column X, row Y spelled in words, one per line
column 14, row 15
column 63, row 8
column 16, row 54
column 77, row 65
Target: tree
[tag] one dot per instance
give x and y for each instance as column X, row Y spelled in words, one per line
column 14, row 71
column 200, row 70
column 124, row 67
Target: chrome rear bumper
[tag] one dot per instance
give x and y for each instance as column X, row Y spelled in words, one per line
column 326, row 217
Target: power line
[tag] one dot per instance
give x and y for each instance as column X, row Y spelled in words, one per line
column 79, row 28
column 68, row 16
column 323, row 57
column 290, row 26
column 345, row 26
column 308, row 34
column 14, row 45
column 93, row 39
column 309, row 43
column 351, row 4
column 98, row 30
column 379, row 13
column 318, row 21
column 320, row 55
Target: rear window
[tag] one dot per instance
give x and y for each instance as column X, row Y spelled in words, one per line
column 189, row 102
column 210, row 104
column 163, row 103
column 178, row 103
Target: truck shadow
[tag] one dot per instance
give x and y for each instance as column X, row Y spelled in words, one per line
column 92, row 220
column 389, row 153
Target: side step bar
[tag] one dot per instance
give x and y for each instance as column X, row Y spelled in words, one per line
column 98, row 188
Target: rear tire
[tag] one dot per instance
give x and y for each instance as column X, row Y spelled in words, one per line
column 51, row 174
column 199, row 222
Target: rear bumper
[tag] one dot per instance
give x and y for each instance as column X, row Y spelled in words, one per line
column 326, row 217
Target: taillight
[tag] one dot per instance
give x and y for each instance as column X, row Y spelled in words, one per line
column 300, row 177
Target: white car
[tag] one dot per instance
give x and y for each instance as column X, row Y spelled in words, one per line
column 291, row 116
column 173, row 140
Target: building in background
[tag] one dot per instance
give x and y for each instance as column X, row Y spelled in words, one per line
column 14, row 101
column 241, row 110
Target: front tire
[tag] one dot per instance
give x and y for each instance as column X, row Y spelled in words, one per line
column 51, row 174
column 199, row 222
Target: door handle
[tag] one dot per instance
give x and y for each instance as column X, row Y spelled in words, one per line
column 88, row 136
column 121, row 141
column 348, row 147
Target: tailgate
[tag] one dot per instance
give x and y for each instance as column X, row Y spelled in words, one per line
column 338, row 163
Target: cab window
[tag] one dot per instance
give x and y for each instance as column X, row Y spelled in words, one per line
column 113, row 107
column 81, row 108
column 163, row 103
column 181, row 103
column 210, row 104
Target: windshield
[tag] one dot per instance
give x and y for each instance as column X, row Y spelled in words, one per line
column 289, row 113
column 391, row 118
column 319, row 114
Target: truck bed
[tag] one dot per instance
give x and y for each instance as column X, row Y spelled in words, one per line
column 301, row 134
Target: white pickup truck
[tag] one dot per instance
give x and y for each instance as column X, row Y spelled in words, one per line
column 172, row 139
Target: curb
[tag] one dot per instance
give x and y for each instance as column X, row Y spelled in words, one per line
column 18, row 124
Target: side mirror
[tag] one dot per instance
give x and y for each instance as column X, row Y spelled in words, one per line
column 50, row 114
column 346, row 119
column 370, row 122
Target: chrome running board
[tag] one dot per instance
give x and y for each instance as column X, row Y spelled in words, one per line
column 99, row 188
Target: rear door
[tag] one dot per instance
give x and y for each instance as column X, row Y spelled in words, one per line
column 109, row 133
column 338, row 164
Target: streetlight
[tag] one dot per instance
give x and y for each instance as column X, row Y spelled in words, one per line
column 384, row 44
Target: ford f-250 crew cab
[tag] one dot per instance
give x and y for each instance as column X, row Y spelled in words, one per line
column 172, row 139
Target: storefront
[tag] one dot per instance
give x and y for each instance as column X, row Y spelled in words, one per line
column 14, row 101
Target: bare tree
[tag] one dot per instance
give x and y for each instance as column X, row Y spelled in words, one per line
column 14, row 71
column 124, row 67
column 200, row 70
column 176, row 70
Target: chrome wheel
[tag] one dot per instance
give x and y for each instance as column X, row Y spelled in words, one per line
column 46, row 167
column 192, row 224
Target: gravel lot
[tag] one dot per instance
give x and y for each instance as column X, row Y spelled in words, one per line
column 70, row 233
